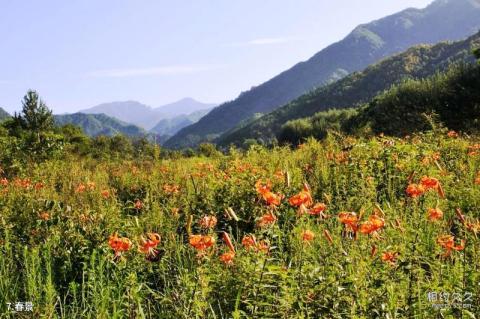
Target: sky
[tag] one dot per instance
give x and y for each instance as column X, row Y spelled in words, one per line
column 80, row 53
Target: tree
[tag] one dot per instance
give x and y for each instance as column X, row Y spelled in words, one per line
column 476, row 53
column 35, row 115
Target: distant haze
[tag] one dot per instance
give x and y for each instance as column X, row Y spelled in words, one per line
column 146, row 116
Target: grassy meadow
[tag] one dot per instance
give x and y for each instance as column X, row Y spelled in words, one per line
column 342, row 228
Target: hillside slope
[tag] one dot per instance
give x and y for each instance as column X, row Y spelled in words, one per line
column 99, row 124
column 170, row 126
column 368, row 43
column 3, row 114
column 361, row 87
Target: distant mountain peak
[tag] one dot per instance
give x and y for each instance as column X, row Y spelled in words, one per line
column 442, row 20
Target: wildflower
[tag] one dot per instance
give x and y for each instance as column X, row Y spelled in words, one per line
column 105, row 194
column 249, row 242
column 350, row 220
column 39, row 186
column 262, row 246
column 208, row 222
column 91, row 186
column 327, row 235
column 429, row 183
column 263, row 188
column 452, row 134
column 434, row 214
column 477, row 179
column 171, row 189
column 447, row 242
column 227, row 257
column 415, row 190
column 138, row 204
column 307, row 236
column 318, row 210
column 175, row 211
column 201, row 242
column 119, row 244
column 44, row 216
column 390, row 257
column 4, row 182
column 80, row 188
column 272, row 199
column 302, row 198
column 372, row 225
column 266, row 220
column 228, row 241
column 148, row 245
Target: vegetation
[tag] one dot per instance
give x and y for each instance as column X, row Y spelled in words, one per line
column 3, row 115
column 337, row 229
column 99, row 124
column 359, row 88
column 367, row 44
column 449, row 99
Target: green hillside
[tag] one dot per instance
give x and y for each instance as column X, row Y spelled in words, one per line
column 99, row 124
column 3, row 114
column 442, row 20
column 358, row 88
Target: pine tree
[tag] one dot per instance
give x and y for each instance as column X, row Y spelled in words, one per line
column 35, row 115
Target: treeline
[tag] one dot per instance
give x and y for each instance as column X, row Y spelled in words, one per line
column 31, row 137
column 450, row 99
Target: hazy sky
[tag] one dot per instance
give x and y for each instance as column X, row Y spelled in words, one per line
column 79, row 53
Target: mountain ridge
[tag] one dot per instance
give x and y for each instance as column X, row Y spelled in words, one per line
column 366, row 44
column 358, row 88
column 144, row 115
column 99, row 124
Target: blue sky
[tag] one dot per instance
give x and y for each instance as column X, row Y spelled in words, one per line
column 79, row 53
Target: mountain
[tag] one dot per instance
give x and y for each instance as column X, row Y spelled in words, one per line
column 358, row 88
column 170, row 126
column 185, row 106
column 145, row 116
column 3, row 114
column 366, row 44
column 99, row 124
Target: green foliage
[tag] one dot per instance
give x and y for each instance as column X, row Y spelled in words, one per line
column 35, row 116
column 454, row 96
column 57, row 217
column 358, row 88
column 318, row 126
column 99, row 124
column 366, row 44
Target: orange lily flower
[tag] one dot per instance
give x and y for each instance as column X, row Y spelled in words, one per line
column 318, row 210
column 390, row 257
column 415, row 190
column 208, row 222
column 248, row 241
column 434, row 214
column 105, row 194
column 138, row 204
column 477, row 179
column 227, row 257
column 307, row 236
column 350, row 220
column 267, row 220
column 201, row 242
column 447, row 242
column 119, row 244
column 302, row 198
column 4, row 182
column 148, row 245
column 452, row 134
column 373, row 224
